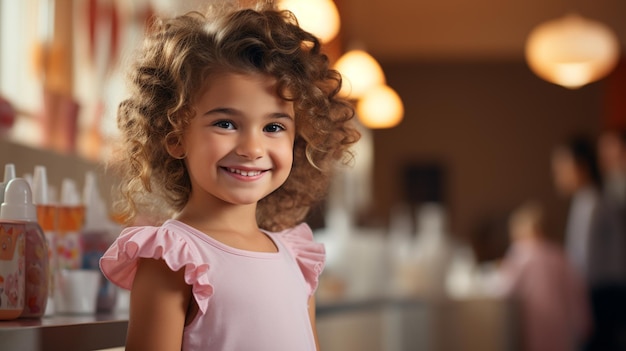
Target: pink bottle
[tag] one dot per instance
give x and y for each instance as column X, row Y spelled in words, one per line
column 18, row 206
column 11, row 260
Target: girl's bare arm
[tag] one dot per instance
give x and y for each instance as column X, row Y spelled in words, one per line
column 312, row 317
column 158, row 303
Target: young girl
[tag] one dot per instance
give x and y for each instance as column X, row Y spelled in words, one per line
column 234, row 125
column 551, row 295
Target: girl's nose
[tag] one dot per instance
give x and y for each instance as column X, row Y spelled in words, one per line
column 250, row 146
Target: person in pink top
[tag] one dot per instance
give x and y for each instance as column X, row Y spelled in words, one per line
column 229, row 136
column 553, row 307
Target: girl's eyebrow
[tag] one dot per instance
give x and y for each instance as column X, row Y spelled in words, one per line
column 279, row 115
column 234, row 112
column 224, row 110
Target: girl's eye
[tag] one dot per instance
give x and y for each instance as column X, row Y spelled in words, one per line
column 224, row 124
column 273, row 128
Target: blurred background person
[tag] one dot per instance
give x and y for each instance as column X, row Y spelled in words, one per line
column 554, row 306
column 577, row 176
column 607, row 247
column 612, row 162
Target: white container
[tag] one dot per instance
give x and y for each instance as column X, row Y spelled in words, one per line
column 77, row 291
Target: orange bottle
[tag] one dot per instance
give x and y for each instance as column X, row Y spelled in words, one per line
column 47, row 218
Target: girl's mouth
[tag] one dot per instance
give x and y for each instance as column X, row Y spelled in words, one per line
column 243, row 173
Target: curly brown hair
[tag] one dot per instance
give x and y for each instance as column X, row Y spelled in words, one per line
column 177, row 56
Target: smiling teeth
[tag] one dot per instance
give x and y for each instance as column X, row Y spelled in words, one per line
column 244, row 173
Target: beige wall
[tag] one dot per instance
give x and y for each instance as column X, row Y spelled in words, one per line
column 492, row 125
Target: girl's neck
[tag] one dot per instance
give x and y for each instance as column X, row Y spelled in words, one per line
column 225, row 217
column 233, row 225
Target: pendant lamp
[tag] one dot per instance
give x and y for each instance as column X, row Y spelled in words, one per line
column 320, row 17
column 572, row 51
column 380, row 107
column 360, row 72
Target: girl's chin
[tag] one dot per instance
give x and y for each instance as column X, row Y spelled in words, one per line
column 244, row 200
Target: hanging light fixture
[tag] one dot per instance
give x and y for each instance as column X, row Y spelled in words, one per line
column 380, row 107
column 319, row 17
column 360, row 72
column 572, row 51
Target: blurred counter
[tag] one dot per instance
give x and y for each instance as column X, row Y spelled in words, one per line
column 89, row 332
column 394, row 324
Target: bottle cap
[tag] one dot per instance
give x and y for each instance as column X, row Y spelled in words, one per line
column 69, row 193
column 95, row 209
column 9, row 173
column 18, row 202
column 40, row 186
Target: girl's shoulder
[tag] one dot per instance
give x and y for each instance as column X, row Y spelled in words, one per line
column 309, row 255
column 172, row 242
column 298, row 239
column 170, row 236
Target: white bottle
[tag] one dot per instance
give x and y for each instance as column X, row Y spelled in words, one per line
column 434, row 250
column 97, row 234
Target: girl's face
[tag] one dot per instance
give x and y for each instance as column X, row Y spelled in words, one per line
column 239, row 145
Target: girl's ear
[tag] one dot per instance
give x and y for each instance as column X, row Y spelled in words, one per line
column 175, row 148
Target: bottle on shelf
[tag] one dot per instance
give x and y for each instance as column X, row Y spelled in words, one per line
column 47, row 217
column 97, row 234
column 71, row 218
column 12, row 277
column 12, row 256
column 18, row 206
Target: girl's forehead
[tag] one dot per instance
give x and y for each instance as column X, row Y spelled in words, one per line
column 216, row 77
column 243, row 89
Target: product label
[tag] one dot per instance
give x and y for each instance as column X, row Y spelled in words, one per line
column 37, row 272
column 68, row 245
column 47, row 216
column 51, row 244
column 12, row 266
column 69, row 252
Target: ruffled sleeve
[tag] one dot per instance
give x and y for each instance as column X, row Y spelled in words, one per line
column 309, row 255
column 119, row 262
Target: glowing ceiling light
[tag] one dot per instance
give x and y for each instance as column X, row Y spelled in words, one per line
column 572, row 51
column 319, row 17
column 360, row 72
column 380, row 107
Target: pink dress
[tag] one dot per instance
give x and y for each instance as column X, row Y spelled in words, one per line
column 247, row 300
column 555, row 312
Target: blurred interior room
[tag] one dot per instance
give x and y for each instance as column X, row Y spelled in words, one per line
column 417, row 227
